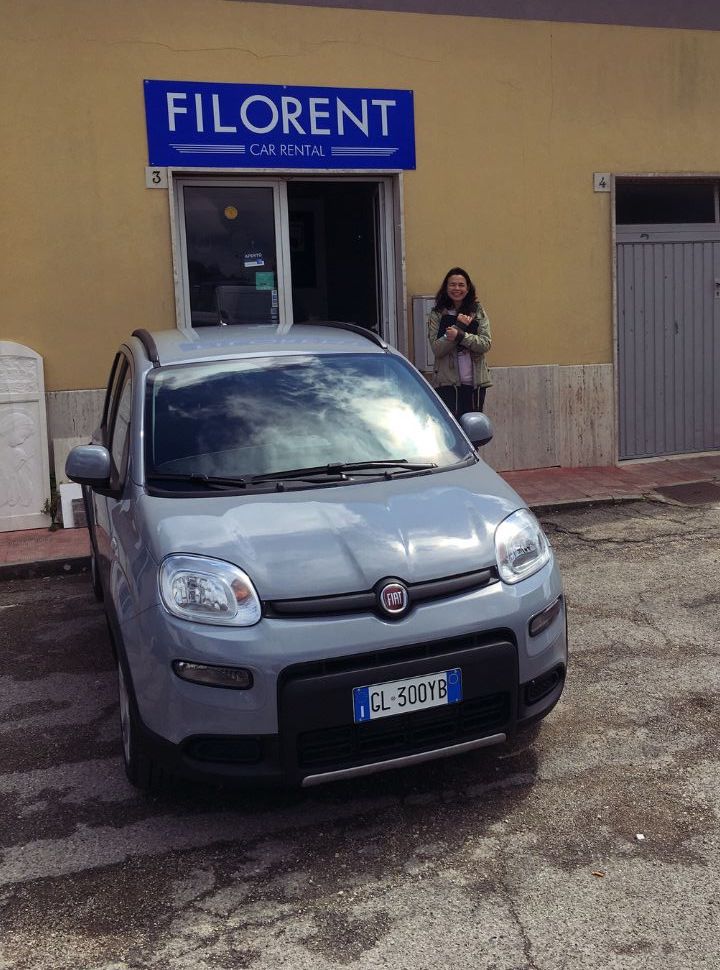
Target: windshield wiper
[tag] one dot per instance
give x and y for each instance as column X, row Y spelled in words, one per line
column 400, row 463
column 336, row 471
column 341, row 469
column 277, row 478
column 212, row 481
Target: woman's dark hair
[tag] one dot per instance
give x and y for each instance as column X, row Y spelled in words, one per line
column 443, row 301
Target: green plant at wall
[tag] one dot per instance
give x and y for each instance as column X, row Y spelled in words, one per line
column 51, row 505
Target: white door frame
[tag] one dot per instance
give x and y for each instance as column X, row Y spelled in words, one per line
column 390, row 242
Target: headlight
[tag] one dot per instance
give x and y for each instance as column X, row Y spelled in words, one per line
column 520, row 546
column 208, row 591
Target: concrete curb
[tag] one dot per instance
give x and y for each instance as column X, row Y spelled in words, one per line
column 44, row 567
column 564, row 505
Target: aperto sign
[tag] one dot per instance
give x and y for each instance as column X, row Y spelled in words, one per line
column 191, row 124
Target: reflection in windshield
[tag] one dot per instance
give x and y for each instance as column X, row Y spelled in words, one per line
column 258, row 416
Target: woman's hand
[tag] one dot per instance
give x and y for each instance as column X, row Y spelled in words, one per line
column 465, row 319
column 452, row 333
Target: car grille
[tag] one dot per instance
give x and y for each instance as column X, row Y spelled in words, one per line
column 403, row 734
column 367, row 601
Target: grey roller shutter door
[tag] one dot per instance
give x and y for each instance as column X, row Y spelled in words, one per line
column 668, row 287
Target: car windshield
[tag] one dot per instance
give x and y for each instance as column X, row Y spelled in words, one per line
column 260, row 416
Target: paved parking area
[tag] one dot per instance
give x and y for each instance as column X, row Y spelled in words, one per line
column 594, row 843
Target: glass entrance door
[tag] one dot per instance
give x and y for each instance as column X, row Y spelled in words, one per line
column 233, row 262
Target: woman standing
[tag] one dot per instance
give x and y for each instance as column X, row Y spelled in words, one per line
column 459, row 334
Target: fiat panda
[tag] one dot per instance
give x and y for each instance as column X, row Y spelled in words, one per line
column 309, row 573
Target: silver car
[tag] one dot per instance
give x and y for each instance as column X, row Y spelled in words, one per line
column 307, row 570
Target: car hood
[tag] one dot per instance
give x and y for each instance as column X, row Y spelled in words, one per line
column 328, row 540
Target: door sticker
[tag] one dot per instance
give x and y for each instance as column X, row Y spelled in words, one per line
column 264, row 281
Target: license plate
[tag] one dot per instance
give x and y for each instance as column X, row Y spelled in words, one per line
column 404, row 696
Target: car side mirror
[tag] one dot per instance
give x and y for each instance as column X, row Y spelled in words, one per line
column 89, row 465
column 478, row 427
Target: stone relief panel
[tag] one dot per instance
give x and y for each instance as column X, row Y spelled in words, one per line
column 24, row 464
column 17, row 375
column 18, row 458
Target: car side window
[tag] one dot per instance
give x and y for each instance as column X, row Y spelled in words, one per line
column 120, row 424
column 112, row 389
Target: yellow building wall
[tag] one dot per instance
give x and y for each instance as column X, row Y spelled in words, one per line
column 512, row 118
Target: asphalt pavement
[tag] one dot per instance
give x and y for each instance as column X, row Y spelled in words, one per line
column 593, row 842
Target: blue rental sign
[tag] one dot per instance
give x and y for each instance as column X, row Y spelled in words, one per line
column 273, row 126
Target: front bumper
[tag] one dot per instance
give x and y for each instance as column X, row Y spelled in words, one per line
column 318, row 741
column 296, row 723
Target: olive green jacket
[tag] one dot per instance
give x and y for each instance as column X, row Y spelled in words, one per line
column 445, row 371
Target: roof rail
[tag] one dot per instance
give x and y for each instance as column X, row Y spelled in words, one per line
column 146, row 339
column 352, row 327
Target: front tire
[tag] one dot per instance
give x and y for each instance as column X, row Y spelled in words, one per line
column 142, row 771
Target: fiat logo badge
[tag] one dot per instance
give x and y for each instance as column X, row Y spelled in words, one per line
column 393, row 598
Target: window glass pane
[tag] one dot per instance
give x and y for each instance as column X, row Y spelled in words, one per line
column 112, row 386
column 121, row 425
column 232, row 268
column 653, row 201
column 253, row 417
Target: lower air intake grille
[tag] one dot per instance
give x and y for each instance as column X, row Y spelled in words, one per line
column 240, row 751
column 404, row 734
